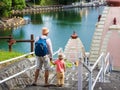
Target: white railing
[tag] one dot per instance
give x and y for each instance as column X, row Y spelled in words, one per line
column 23, row 71
column 108, row 63
column 104, row 65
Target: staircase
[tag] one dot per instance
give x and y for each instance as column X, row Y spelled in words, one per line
column 23, row 81
column 97, row 38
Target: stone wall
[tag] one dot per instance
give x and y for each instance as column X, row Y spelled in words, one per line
column 19, row 81
column 24, row 79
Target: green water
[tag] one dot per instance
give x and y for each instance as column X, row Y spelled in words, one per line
column 61, row 25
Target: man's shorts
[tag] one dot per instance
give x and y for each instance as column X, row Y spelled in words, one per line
column 43, row 61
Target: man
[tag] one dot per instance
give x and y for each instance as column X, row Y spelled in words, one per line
column 44, row 60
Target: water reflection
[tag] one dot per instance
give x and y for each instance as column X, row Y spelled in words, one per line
column 61, row 25
column 36, row 19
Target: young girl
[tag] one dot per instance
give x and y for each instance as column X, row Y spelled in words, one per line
column 60, row 69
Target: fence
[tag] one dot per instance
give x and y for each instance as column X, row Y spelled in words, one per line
column 11, row 41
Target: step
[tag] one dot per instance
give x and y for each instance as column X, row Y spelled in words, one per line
column 104, row 15
column 96, row 40
column 99, row 30
column 105, row 12
column 94, row 52
column 95, row 45
column 98, row 34
column 103, row 19
column 101, row 23
column 106, row 8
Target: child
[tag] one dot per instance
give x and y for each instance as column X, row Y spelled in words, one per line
column 60, row 69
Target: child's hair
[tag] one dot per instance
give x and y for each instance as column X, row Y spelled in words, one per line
column 62, row 55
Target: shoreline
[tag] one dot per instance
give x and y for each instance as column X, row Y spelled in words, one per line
column 12, row 22
column 19, row 21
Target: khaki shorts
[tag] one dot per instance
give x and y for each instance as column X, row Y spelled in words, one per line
column 43, row 61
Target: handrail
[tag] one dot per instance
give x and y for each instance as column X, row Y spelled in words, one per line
column 91, row 83
column 86, row 66
column 102, row 71
column 97, row 61
column 23, row 71
column 97, row 78
column 107, row 59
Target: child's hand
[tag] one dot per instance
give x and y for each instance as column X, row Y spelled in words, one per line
column 50, row 59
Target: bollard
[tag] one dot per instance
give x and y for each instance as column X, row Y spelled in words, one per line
column 114, row 21
column 99, row 18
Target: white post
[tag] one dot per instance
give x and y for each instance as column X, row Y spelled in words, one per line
column 90, row 81
column 110, row 64
column 80, row 78
column 102, row 66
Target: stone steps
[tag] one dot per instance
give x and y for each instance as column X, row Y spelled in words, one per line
column 24, row 81
column 97, row 38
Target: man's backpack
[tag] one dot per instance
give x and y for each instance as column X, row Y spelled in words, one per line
column 41, row 47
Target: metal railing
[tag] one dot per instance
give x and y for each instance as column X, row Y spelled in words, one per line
column 23, row 71
column 105, row 65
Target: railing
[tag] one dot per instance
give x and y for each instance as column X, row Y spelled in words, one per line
column 105, row 65
column 91, row 83
column 108, row 63
column 23, row 71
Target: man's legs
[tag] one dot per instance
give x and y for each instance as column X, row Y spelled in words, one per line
column 36, row 75
column 46, row 63
column 46, row 76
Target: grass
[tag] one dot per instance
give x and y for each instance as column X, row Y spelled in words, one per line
column 4, row 55
column 68, row 64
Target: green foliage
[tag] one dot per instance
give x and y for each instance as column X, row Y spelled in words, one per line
column 4, row 55
column 18, row 4
column 68, row 64
column 47, row 2
column 37, row 2
column 5, row 7
column 5, row 13
column 53, row 2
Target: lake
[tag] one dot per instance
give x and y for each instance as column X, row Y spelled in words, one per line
column 61, row 25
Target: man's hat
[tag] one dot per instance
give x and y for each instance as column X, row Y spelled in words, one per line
column 45, row 30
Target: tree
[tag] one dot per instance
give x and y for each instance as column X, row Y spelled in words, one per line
column 18, row 4
column 5, row 7
column 48, row 2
